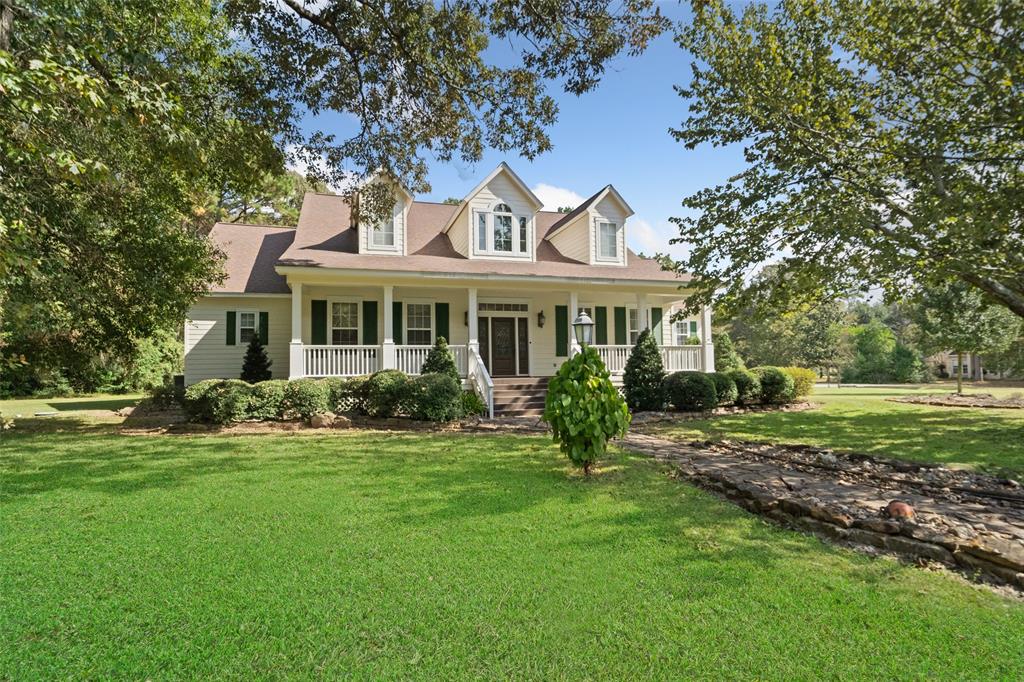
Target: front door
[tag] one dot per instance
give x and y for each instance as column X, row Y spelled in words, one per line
column 503, row 346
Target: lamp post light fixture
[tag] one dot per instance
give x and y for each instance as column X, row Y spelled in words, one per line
column 583, row 328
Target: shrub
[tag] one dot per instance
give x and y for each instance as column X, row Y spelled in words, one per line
column 352, row 396
column 472, row 404
column 336, row 388
column 803, row 380
column 748, row 386
column 167, row 395
column 440, row 360
column 584, row 408
column 385, row 391
column 256, row 366
column 266, row 400
column 726, row 357
column 644, row 374
column 306, row 397
column 692, row 391
column 217, row 401
column 434, row 397
column 776, row 386
column 725, row 387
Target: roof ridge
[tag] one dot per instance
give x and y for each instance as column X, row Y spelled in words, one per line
column 229, row 223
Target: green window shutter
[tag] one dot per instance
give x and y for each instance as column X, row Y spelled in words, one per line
column 693, row 327
column 318, row 322
column 601, row 322
column 232, row 327
column 620, row 326
column 369, row 323
column 441, row 313
column 264, row 327
column 396, row 321
column 562, row 330
column 656, row 324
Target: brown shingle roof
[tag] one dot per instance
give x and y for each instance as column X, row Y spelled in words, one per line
column 326, row 238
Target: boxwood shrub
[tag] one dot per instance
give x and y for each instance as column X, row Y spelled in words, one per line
column 776, row 386
column 803, row 380
column 307, row 397
column 218, row 401
column 691, row 391
column 725, row 387
column 385, row 392
column 433, row 397
column 266, row 400
column 748, row 386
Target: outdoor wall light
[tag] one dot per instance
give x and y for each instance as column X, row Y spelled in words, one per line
column 540, row 319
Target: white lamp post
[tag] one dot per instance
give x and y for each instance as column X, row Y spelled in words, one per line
column 583, row 328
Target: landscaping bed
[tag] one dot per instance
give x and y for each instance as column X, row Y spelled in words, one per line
column 925, row 513
column 1015, row 401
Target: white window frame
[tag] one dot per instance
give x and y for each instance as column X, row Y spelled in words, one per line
column 330, row 320
column 600, row 242
column 687, row 331
column 408, row 328
column 377, row 230
column 630, row 330
column 485, row 221
column 238, row 325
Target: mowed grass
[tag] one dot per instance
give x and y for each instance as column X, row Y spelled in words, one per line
column 863, row 420
column 377, row 555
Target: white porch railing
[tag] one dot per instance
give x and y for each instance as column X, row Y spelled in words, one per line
column 674, row 358
column 339, row 361
column 410, row 359
column 480, row 379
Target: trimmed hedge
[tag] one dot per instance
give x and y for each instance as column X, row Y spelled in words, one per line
column 748, row 386
column 385, row 392
column 776, row 386
column 803, row 380
column 725, row 387
column 307, row 397
column 266, row 400
column 691, row 391
column 433, row 397
column 218, row 401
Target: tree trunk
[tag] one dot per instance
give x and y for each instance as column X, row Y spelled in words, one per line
column 6, row 24
column 959, row 374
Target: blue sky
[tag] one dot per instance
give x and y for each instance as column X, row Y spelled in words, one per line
column 616, row 134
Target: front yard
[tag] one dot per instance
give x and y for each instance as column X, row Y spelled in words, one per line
column 382, row 555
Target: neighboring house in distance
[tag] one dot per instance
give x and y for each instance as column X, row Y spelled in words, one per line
column 945, row 365
column 496, row 276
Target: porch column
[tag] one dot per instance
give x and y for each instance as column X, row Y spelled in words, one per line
column 574, row 311
column 643, row 315
column 388, row 357
column 707, row 346
column 472, row 317
column 295, row 364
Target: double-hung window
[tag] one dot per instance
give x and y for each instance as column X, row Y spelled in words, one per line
column 383, row 235
column 634, row 325
column 345, row 323
column 246, row 326
column 500, row 232
column 419, row 330
column 607, row 241
column 684, row 329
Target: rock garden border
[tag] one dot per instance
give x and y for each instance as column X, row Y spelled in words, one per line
column 985, row 400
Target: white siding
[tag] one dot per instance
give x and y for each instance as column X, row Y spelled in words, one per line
column 500, row 189
column 207, row 355
column 607, row 210
column 401, row 212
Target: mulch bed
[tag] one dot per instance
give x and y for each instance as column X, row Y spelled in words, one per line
column 1015, row 401
column 928, row 514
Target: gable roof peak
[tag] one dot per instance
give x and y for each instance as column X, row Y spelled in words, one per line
column 500, row 169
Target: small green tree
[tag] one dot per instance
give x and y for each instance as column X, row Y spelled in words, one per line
column 256, row 366
column 440, row 360
column 584, row 409
column 644, row 375
column 726, row 357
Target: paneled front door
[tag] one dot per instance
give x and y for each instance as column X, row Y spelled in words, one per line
column 503, row 346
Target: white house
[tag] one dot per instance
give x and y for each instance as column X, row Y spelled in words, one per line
column 496, row 276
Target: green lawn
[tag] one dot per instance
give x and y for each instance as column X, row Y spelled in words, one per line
column 26, row 407
column 441, row 556
column 861, row 419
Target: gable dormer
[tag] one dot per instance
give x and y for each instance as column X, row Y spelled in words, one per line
column 388, row 236
column 497, row 220
column 595, row 231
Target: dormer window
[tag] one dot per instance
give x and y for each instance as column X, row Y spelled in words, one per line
column 607, row 241
column 501, row 232
column 383, row 235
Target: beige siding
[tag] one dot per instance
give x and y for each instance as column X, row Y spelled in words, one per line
column 401, row 212
column 607, row 211
column 459, row 234
column 207, row 355
column 574, row 240
column 500, row 190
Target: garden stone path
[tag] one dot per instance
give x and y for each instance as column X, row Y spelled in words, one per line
column 959, row 519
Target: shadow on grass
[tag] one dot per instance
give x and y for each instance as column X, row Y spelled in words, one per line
column 113, row 404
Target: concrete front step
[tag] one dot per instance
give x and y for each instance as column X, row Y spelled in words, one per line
column 520, row 396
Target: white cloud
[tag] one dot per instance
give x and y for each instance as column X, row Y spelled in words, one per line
column 654, row 238
column 555, row 198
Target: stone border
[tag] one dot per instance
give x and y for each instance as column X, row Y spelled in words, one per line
column 949, row 401
column 643, row 418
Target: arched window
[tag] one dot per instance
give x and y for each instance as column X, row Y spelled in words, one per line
column 499, row 231
column 502, row 228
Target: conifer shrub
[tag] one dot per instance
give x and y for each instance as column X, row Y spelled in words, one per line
column 435, row 397
column 644, row 375
column 440, row 360
column 256, row 366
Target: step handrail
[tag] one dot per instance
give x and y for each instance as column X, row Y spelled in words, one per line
column 481, row 379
